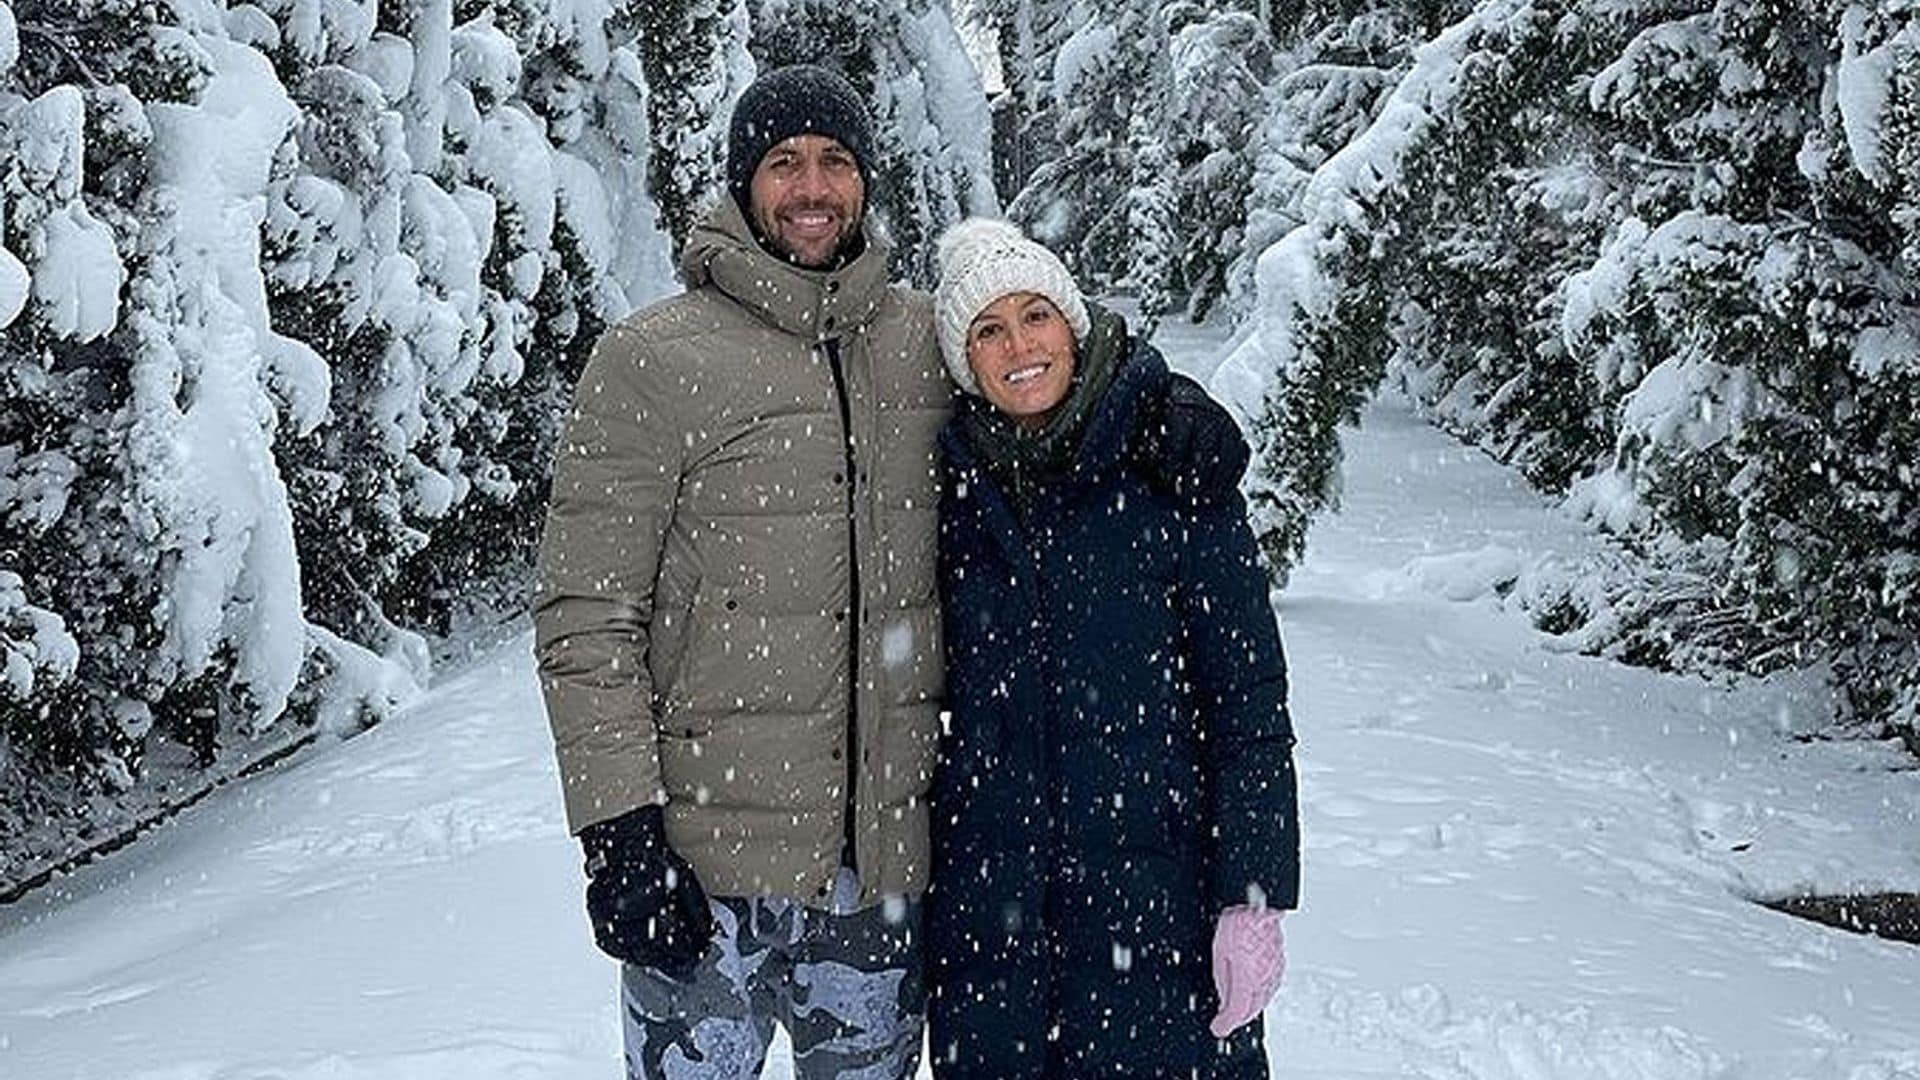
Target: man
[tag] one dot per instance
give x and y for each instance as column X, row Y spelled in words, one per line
column 738, row 630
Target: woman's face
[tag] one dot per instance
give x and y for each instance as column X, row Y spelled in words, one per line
column 1021, row 351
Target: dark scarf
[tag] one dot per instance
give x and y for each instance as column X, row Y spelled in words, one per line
column 1023, row 460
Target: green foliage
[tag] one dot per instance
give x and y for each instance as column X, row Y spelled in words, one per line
column 1659, row 256
column 683, row 47
column 479, row 558
column 74, row 549
column 1205, row 118
column 1296, row 467
column 426, row 324
column 1129, row 147
column 65, row 536
column 1075, row 200
column 1397, row 274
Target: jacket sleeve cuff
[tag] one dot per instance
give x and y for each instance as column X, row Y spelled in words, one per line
column 1270, row 879
column 612, row 768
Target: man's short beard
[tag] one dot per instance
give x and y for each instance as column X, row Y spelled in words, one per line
column 848, row 248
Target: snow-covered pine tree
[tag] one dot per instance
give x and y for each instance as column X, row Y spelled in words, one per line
column 1075, row 202
column 528, row 86
column 694, row 56
column 1219, row 65
column 1155, row 270
column 1752, row 315
column 340, row 211
column 456, row 285
column 1511, row 200
column 301, row 289
column 1129, row 138
column 1025, row 35
column 147, row 390
column 1826, row 533
column 1702, row 115
column 71, row 565
column 1652, row 252
column 932, row 128
column 1334, row 66
column 1331, row 290
column 91, row 580
column 1888, row 655
column 215, row 388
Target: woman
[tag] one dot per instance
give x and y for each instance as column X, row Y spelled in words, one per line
column 1115, row 802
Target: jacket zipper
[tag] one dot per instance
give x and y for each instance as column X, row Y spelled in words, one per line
column 851, row 856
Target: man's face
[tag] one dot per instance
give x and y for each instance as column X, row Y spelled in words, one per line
column 808, row 198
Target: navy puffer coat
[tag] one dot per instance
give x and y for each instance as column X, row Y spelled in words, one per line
column 1118, row 767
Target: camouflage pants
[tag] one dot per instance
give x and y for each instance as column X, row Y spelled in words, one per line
column 848, row 988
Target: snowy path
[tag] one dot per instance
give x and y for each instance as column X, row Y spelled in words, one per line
column 1524, row 864
column 1519, row 863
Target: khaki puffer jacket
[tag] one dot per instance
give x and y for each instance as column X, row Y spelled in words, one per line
column 737, row 612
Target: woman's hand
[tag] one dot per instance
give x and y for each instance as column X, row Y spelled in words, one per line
column 1249, row 956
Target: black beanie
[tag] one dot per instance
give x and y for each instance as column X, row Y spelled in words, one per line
column 803, row 99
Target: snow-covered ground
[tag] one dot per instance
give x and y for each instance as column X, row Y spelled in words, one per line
column 1519, row 863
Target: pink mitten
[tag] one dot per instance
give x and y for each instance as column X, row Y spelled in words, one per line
column 1249, row 955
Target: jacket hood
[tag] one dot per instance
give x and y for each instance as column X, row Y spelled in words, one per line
column 815, row 304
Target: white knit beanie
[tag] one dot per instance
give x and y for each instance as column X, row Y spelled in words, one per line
column 982, row 260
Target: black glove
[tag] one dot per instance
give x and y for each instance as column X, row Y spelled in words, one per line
column 646, row 906
column 1185, row 443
